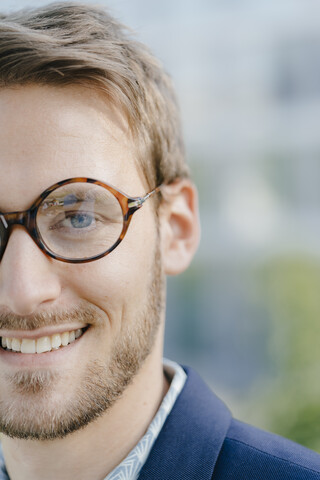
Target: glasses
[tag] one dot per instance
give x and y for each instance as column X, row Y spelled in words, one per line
column 77, row 220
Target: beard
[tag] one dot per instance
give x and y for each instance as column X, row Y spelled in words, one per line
column 100, row 385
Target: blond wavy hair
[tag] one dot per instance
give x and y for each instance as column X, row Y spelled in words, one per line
column 69, row 43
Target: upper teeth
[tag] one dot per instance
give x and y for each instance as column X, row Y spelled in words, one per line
column 40, row 345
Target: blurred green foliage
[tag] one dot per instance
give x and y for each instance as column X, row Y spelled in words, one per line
column 289, row 404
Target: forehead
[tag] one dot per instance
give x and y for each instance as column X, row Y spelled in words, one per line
column 48, row 134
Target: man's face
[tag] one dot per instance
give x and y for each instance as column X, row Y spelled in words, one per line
column 46, row 135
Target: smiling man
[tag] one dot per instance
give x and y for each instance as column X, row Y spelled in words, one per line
column 96, row 208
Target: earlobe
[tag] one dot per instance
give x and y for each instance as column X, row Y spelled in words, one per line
column 180, row 225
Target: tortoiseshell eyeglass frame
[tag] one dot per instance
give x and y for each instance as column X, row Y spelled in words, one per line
column 27, row 218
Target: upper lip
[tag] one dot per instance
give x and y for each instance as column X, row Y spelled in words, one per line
column 41, row 332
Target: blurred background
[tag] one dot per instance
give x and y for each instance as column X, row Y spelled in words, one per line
column 246, row 314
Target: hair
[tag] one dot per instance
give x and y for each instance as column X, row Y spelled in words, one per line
column 70, row 43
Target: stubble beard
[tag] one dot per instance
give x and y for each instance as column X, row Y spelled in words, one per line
column 36, row 418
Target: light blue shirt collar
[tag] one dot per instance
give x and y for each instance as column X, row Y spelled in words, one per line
column 129, row 468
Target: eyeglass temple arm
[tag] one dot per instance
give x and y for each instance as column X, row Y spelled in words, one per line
column 135, row 203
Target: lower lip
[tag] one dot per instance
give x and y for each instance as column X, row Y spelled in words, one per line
column 40, row 360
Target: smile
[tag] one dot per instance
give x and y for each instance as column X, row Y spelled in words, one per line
column 43, row 344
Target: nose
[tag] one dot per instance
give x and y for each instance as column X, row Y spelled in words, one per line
column 27, row 277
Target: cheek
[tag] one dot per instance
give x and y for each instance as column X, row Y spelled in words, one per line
column 114, row 283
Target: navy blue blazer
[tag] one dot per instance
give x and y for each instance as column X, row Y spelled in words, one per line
column 201, row 441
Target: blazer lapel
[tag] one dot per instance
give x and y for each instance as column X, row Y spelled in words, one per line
column 192, row 436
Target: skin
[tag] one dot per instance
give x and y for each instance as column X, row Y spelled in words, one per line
column 48, row 134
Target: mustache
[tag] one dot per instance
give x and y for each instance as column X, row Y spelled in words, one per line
column 84, row 314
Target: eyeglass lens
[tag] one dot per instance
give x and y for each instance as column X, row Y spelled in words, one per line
column 79, row 220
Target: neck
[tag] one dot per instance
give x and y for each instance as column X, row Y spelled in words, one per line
column 93, row 452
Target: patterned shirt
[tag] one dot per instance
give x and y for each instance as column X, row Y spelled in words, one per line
column 130, row 467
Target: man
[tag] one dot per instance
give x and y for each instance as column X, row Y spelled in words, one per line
column 97, row 207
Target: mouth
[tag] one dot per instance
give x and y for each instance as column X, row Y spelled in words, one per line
column 57, row 341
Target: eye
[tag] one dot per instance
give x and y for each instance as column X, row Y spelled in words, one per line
column 80, row 220
column 72, row 222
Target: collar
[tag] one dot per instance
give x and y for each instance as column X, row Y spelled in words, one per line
column 130, row 467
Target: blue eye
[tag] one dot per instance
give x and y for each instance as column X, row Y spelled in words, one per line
column 81, row 220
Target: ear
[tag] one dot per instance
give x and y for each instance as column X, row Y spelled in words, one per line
column 180, row 229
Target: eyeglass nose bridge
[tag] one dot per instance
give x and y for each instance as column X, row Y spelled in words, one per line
column 8, row 220
column 15, row 218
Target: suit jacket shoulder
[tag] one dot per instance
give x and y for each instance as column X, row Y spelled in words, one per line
column 201, row 441
column 249, row 453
